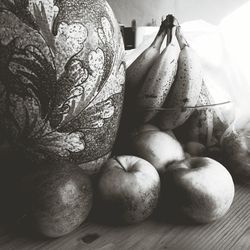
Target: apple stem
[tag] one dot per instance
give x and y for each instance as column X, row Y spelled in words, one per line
column 120, row 163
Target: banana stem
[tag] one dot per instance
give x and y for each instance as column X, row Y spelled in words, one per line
column 159, row 36
column 169, row 24
column 181, row 39
column 170, row 34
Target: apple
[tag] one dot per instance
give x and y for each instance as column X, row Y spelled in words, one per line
column 194, row 148
column 157, row 147
column 60, row 197
column 236, row 155
column 170, row 132
column 215, row 152
column 198, row 188
column 128, row 189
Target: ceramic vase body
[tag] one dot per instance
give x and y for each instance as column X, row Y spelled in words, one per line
column 62, row 75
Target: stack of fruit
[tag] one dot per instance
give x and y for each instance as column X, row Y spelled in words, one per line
column 174, row 148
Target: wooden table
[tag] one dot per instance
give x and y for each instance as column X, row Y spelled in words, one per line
column 231, row 232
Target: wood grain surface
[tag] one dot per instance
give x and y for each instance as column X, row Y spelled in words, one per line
column 231, row 232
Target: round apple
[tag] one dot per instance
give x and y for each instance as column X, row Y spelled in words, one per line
column 198, row 188
column 128, row 189
column 194, row 148
column 60, row 197
column 157, row 147
column 170, row 132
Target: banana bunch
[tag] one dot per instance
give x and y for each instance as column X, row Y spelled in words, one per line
column 138, row 70
column 135, row 77
column 185, row 90
column 160, row 77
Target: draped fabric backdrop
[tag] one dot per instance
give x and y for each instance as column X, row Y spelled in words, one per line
column 144, row 11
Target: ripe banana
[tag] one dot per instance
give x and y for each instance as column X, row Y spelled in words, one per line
column 135, row 75
column 186, row 88
column 160, row 77
column 137, row 71
column 199, row 126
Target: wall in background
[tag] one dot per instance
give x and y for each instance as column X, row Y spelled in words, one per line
column 143, row 11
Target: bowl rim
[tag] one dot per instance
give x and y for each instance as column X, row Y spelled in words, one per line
column 204, row 106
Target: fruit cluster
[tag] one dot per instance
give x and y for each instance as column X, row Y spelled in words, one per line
column 171, row 120
column 169, row 155
column 166, row 87
column 193, row 187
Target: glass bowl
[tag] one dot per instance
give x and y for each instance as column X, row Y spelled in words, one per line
column 202, row 123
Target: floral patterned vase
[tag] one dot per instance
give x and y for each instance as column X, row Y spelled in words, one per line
column 62, row 76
